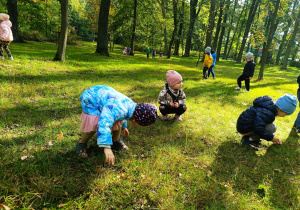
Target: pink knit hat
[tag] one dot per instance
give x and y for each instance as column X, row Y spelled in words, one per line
column 173, row 77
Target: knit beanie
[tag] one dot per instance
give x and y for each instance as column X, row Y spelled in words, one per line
column 248, row 55
column 145, row 114
column 173, row 77
column 207, row 50
column 287, row 103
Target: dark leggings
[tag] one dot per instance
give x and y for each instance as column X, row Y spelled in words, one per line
column 247, row 81
column 4, row 44
column 167, row 109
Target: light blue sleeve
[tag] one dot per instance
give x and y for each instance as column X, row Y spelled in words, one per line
column 124, row 125
column 105, row 123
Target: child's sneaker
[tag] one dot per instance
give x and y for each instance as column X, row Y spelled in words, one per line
column 10, row 58
column 1, row 57
column 246, row 91
column 178, row 117
column 164, row 117
column 118, row 145
column 237, row 88
column 253, row 144
column 297, row 130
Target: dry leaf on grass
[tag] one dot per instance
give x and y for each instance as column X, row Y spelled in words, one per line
column 277, row 170
column 61, row 205
column 26, row 157
column 50, row 143
column 2, row 206
column 60, row 135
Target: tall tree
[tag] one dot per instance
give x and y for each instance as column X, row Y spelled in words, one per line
column 12, row 9
column 133, row 28
column 210, row 23
column 164, row 5
column 63, row 36
column 269, row 41
column 102, row 42
column 251, row 15
column 193, row 17
column 215, row 43
column 175, row 2
column 178, row 37
column 291, row 41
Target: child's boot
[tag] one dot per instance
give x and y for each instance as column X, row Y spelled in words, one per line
column 178, row 117
column 118, row 145
column 1, row 57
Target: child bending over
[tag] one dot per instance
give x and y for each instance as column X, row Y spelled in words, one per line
column 106, row 112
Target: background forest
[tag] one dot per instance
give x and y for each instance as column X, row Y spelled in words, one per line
column 176, row 27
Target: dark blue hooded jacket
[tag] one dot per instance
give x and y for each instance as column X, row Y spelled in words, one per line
column 257, row 116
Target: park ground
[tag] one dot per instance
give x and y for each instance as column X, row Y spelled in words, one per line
column 195, row 164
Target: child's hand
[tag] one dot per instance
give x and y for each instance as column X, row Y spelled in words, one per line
column 276, row 140
column 125, row 132
column 110, row 158
column 171, row 104
column 250, row 77
column 176, row 104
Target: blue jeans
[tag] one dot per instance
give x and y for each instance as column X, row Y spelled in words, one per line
column 210, row 70
column 297, row 122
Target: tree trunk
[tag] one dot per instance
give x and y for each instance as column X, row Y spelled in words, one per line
column 222, row 32
column 193, row 18
column 175, row 2
column 177, row 41
column 133, row 28
column 269, row 41
column 251, row 16
column 290, row 44
column 236, row 29
column 63, row 36
column 229, row 30
column 12, row 10
column 102, row 41
column 210, row 23
column 215, row 43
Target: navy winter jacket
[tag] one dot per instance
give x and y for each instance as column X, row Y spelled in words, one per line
column 249, row 69
column 257, row 116
column 298, row 80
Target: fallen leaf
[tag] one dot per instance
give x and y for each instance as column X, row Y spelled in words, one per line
column 61, row 205
column 45, row 148
column 2, row 206
column 122, row 175
column 26, row 157
column 60, row 135
column 293, row 172
column 180, row 174
column 50, row 143
column 277, row 170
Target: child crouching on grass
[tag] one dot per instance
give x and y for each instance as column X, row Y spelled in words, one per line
column 256, row 122
column 172, row 97
column 297, row 121
column 106, row 112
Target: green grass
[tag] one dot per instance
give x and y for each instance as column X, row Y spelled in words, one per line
column 195, row 164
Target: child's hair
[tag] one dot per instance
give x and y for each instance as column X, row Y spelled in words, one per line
column 287, row 103
column 248, row 55
column 4, row 17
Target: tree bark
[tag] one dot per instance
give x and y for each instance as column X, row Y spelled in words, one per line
column 291, row 41
column 63, row 36
column 175, row 2
column 193, row 18
column 102, row 41
column 133, row 28
column 222, row 32
column 12, row 10
column 210, row 23
column 178, row 38
column 218, row 28
column 269, row 41
column 251, row 16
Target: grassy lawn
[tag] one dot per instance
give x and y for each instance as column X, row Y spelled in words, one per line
column 195, row 164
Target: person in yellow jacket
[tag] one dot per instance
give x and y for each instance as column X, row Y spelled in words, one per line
column 208, row 60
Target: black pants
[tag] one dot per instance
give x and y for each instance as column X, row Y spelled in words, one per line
column 167, row 109
column 205, row 76
column 4, row 44
column 247, row 81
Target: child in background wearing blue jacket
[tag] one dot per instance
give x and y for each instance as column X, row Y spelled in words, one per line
column 211, row 68
column 106, row 112
column 297, row 122
column 256, row 122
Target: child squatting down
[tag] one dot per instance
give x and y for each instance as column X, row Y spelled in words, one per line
column 106, row 111
column 256, row 122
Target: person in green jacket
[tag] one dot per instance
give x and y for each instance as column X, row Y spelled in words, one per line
column 148, row 52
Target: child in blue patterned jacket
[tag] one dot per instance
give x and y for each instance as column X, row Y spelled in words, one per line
column 106, row 112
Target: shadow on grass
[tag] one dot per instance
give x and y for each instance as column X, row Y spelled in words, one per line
column 238, row 171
